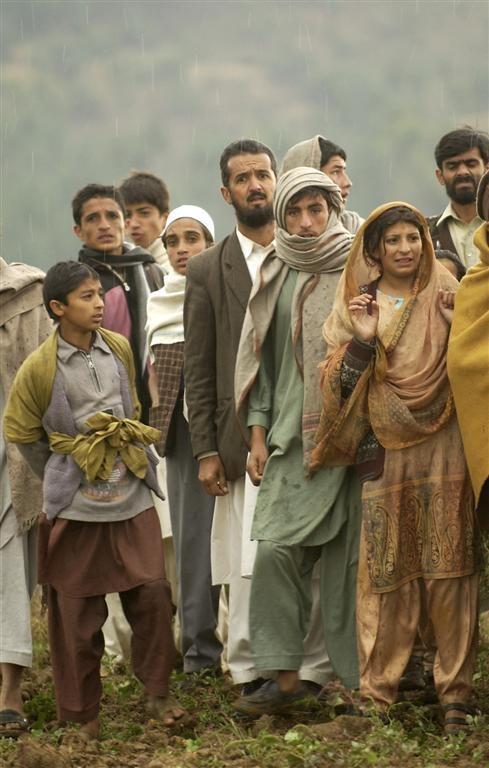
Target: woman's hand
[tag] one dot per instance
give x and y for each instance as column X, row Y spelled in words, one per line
column 258, row 457
column 446, row 304
column 364, row 316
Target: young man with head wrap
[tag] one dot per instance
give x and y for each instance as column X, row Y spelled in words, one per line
column 218, row 286
column 329, row 158
column 298, row 519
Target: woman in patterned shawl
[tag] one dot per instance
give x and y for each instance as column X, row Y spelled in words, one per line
column 388, row 408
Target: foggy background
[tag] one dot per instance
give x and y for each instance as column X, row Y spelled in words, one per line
column 92, row 90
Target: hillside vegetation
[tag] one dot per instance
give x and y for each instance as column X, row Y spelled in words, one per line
column 92, row 90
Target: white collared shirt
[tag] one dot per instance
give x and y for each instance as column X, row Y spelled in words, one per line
column 254, row 253
column 462, row 234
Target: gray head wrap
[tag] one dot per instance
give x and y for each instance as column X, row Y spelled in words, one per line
column 307, row 152
column 298, row 179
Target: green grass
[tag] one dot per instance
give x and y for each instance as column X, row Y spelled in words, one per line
column 211, row 738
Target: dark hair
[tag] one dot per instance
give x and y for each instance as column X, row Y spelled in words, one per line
column 95, row 190
column 461, row 140
column 243, row 147
column 372, row 237
column 144, row 187
column 312, row 190
column 63, row 278
column 451, row 256
column 209, row 240
column 328, row 150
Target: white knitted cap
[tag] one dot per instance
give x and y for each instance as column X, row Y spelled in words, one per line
column 191, row 212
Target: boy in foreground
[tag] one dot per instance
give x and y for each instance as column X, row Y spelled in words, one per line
column 73, row 413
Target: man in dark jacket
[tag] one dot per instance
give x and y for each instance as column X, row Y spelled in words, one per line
column 219, row 282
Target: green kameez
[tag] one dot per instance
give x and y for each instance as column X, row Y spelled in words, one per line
column 295, row 511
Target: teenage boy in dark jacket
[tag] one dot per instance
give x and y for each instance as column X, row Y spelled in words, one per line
column 128, row 275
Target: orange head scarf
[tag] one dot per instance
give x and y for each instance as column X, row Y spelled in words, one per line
column 403, row 395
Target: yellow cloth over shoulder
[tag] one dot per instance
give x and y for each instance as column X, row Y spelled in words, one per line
column 30, row 394
column 96, row 452
column 468, row 363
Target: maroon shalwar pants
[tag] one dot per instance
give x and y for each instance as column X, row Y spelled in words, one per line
column 77, row 645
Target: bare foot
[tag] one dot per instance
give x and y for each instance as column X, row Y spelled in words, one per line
column 11, row 691
column 165, row 708
column 75, row 737
column 91, row 729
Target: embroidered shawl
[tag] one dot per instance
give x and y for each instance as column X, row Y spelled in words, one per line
column 404, row 394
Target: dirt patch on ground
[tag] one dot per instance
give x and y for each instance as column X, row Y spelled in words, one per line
column 212, row 736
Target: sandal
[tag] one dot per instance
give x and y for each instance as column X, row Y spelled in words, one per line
column 456, row 724
column 12, row 724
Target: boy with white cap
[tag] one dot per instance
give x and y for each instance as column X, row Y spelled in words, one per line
column 189, row 230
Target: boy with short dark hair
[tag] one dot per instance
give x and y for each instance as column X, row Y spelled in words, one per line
column 128, row 275
column 73, row 412
column 147, row 203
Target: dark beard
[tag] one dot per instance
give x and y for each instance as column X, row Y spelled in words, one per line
column 254, row 217
column 462, row 196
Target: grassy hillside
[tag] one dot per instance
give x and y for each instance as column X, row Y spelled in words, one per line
column 92, row 90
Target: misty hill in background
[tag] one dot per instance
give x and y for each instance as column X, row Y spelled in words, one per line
column 91, row 90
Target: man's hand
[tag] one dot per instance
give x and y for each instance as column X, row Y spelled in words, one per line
column 258, row 455
column 212, row 476
column 446, row 304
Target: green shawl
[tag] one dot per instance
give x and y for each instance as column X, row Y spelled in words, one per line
column 31, row 392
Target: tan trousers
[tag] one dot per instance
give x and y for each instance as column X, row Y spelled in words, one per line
column 387, row 626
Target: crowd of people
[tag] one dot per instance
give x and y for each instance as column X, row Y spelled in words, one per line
column 265, row 456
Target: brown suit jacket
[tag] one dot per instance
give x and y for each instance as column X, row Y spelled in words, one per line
column 217, row 292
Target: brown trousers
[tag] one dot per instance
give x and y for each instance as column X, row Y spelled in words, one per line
column 446, row 611
column 77, row 645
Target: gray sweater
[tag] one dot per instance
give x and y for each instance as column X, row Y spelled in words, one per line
column 86, row 383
